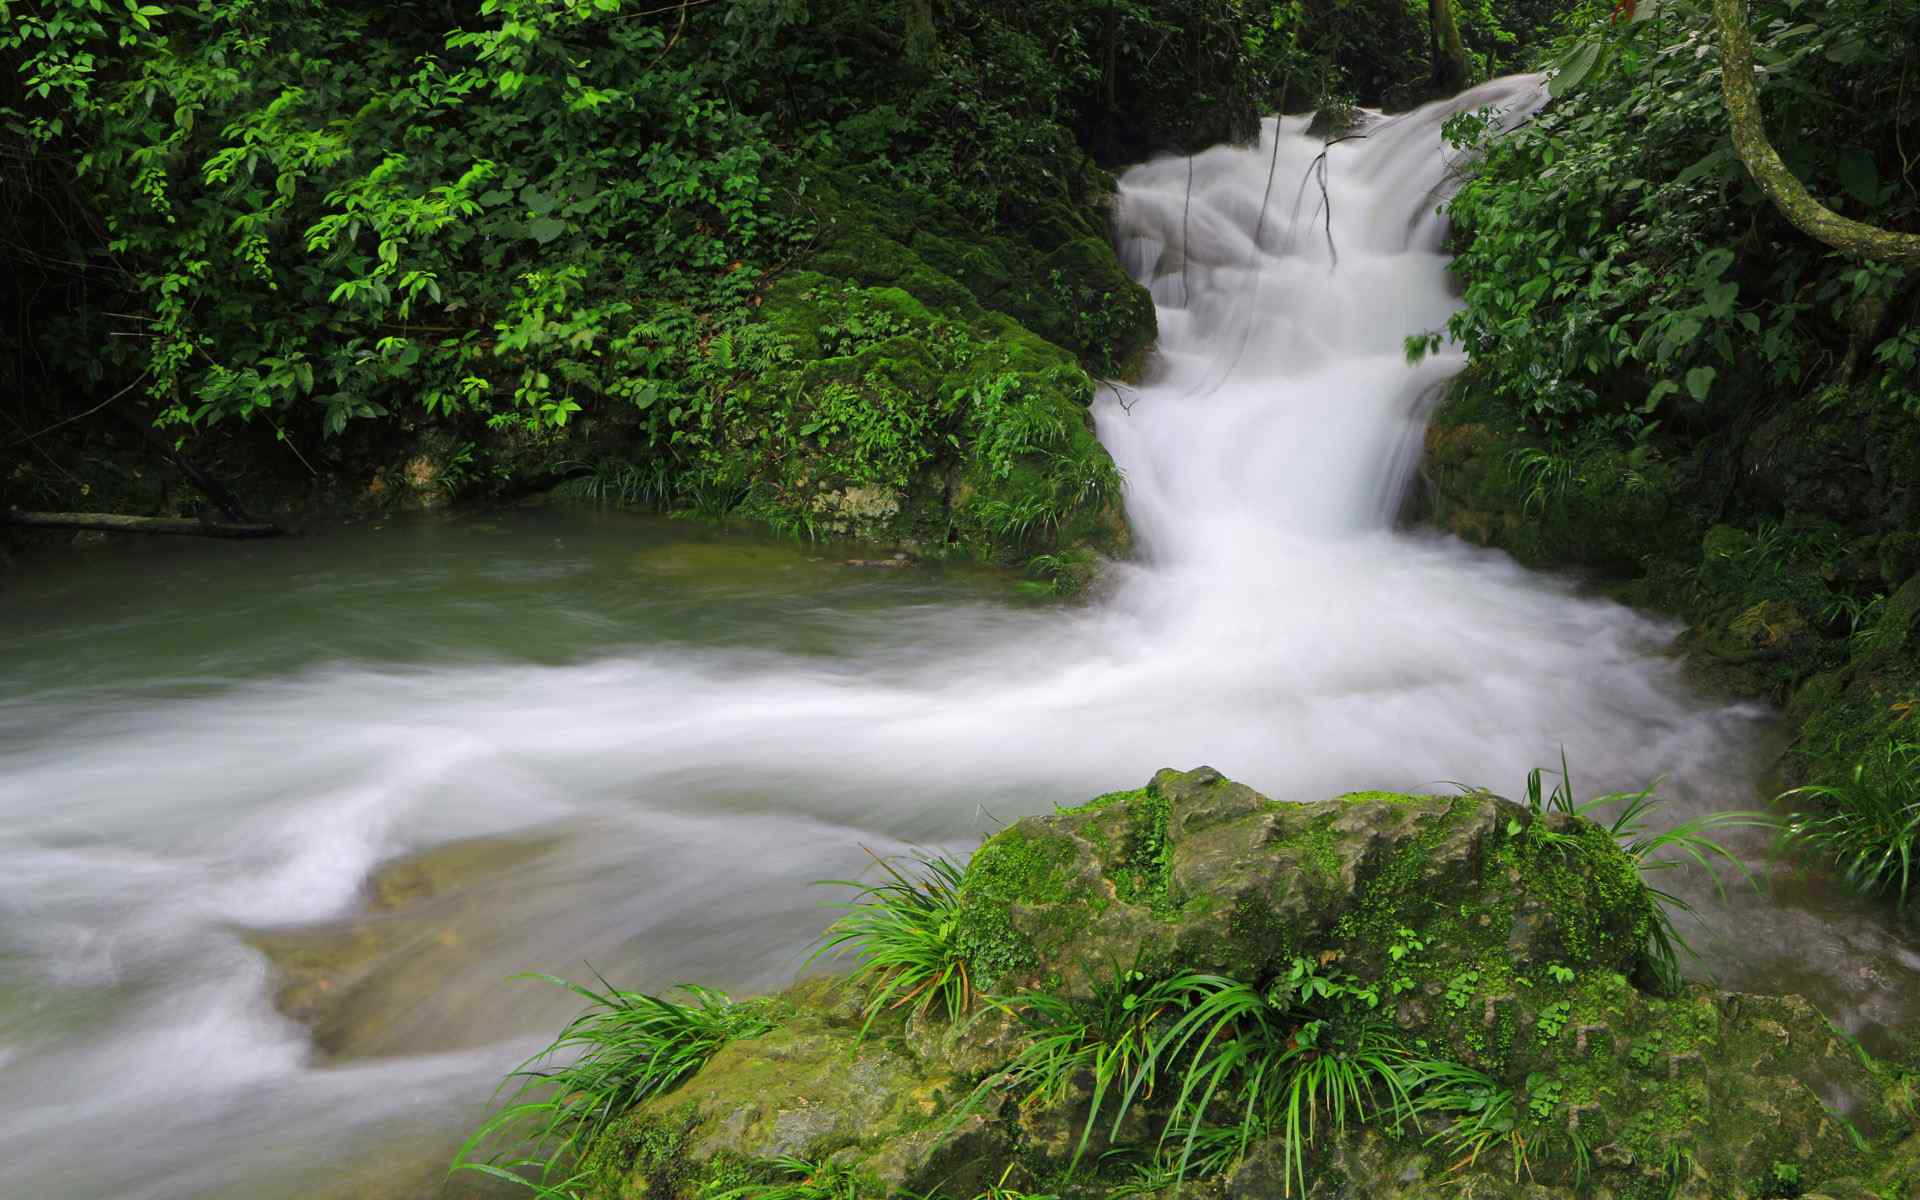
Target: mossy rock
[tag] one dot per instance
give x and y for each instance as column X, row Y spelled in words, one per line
column 815, row 1088
column 1495, row 937
column 1053, row 270
column 885, row 419
column 1206, row 874
column 1596, row 508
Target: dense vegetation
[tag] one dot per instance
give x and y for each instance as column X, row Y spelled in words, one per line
column 839, row 266
column 1673, row 386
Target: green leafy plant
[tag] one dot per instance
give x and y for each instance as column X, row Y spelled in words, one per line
column 796, row 1178
column 1479, row 1111
column 1106, row 1038
column 903, row 929
column 1869, row 823
column 626, row 1047
column 1308, row 1049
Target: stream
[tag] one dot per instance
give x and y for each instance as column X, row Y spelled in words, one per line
column 279, row 820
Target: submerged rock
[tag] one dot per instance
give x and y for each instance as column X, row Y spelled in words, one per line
column 374, row 983
column 1476, row 931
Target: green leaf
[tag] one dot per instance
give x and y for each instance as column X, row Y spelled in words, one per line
column 1700, row 382
column 1719, row 297
column 1574, row 69
column 1713, row 264
column 1858, row 175
column 1847, row 52
column 545, row 229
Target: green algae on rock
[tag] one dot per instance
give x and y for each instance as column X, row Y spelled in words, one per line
column 1490, row 935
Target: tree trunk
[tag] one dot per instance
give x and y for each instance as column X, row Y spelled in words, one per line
column 114, row 523
column 1763, row 162
column 1451, row 66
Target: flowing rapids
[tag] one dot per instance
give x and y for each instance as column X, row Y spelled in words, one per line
column 673, row 732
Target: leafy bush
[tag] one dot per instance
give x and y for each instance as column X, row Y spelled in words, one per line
column 1621, row 271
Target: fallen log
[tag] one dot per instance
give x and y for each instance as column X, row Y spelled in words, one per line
column 114, row 523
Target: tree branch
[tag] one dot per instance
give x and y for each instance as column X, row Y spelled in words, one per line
column 1763, row 162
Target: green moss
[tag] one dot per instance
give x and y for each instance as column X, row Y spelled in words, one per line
column 646, row 1157
column 1016, row 865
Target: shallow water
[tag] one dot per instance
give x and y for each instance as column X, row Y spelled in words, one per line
column 659, row 734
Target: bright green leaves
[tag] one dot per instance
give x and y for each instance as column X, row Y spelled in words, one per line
column 1617, row 262
column 314, row 178
column 1573, row 70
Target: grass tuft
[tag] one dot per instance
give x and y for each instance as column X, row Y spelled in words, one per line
column 905, row 930
column 1652, row 852
column 1868, row 824
column 626, row 1047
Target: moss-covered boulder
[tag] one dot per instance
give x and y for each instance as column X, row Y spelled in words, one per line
column 878, row 417
column 1467, row 931
column 1200, row 873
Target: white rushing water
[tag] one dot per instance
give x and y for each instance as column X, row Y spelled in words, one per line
column 1276, row 626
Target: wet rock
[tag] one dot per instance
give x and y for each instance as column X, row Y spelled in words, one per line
column 370, row 984
column 814, row 1088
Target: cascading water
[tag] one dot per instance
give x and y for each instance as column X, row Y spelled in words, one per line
column 181, row 764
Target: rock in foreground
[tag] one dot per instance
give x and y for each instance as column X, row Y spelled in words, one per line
column 1510, row 945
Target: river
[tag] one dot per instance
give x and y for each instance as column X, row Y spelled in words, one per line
column 362, row 777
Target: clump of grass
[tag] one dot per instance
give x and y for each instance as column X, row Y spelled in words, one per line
column 1306, row 1053
column 626, row 1047
column 1310, row 1046
column 905, row 929
column 1107, row 1039
column 1480, row 1112
column 1869, row 823
column 618, row 484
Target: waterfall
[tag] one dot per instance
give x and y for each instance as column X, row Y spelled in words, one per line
column 703, row 759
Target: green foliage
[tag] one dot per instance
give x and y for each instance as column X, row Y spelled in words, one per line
column 1614, row 270
column 1308, row 1048
column 1479, row 1110
column 905, row 930
column 1868, row 823
column 1308, row 1052
column 1108, row 1038
column 626, row 1047
column 796, row 1178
